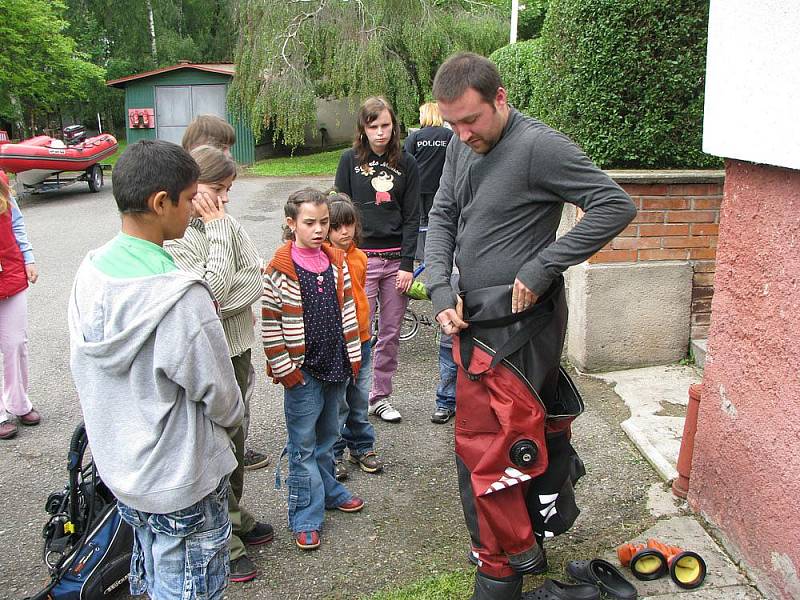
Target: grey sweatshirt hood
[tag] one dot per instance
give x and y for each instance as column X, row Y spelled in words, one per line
column 104, row 325
column 156, row 386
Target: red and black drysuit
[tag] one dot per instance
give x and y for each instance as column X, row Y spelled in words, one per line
column 512, row 389
column 496, row 215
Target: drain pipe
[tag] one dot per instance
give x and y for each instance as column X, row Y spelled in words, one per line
column 680, row 486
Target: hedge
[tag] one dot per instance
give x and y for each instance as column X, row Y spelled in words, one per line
column 517, row 64
column 624, row 79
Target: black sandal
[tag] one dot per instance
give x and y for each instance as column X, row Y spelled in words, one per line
column 604, row 575
column 552, row 589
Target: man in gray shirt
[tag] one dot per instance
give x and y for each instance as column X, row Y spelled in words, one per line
column 505, row 180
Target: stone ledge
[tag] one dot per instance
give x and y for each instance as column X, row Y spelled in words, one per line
column 667, row 176
column 628, row 315
column 699, row 350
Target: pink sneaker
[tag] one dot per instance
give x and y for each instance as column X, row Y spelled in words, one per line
column 31, row 418
column 8, row 430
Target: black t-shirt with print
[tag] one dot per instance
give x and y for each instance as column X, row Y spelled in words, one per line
column 388, row 200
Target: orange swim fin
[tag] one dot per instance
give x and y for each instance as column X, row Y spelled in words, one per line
column 686, row 568
column 645, row 563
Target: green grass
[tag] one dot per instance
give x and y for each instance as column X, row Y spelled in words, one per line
column 112, row 160
column 442, row 587
column 322, row 163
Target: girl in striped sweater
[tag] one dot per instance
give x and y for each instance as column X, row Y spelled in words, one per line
column 311, row 339
column 216, row 248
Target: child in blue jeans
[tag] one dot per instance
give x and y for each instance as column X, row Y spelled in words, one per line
column 156, row 386
column 357, row 432
column 311, row 340
column 446, row 392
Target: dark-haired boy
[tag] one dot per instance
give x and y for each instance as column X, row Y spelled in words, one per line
column 158, row 392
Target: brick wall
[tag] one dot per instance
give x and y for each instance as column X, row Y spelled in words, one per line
column 678, row 219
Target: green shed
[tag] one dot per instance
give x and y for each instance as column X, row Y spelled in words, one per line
column 160, row 104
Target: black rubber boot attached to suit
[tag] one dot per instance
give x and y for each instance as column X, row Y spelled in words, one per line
column 487, row 588
column 530, row 562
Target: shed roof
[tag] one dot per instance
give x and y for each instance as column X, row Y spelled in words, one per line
column 222, row 68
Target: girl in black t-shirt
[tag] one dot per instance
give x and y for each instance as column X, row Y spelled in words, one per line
column 383, row 181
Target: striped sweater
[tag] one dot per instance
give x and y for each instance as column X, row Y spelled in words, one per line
column 282, row 329
column 222, row 253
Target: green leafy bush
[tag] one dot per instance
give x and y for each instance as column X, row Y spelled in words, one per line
column 625, row 80
column 517, row 63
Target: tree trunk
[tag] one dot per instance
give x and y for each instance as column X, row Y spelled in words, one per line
column 152, row 26
column 179, row 7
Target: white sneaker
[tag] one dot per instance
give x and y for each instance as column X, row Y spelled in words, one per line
column 384, row 410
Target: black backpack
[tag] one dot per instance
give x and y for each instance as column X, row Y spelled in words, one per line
column 87, row 546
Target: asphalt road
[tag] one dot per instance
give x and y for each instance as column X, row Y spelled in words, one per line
column 412, row 526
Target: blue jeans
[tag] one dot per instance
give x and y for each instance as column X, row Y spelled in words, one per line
column 356, row 430
column 183, row 554
column 312, row 421
column 446, row 392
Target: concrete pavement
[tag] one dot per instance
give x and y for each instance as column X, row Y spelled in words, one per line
column 657, row 398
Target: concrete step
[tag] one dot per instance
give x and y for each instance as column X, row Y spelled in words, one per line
column 699, row 348
column 657, row 398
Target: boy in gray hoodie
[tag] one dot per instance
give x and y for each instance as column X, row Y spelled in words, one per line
column 157, row 389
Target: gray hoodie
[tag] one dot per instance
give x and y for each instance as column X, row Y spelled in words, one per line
column 156, row 385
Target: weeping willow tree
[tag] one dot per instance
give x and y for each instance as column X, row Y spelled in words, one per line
column 291, row 52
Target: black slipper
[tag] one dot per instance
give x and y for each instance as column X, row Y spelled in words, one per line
column 555, row 590
column 604, row 575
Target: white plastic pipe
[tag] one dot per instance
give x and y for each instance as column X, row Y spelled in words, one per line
column 514, row 20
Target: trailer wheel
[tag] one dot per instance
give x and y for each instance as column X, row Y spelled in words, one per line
column 95, row 177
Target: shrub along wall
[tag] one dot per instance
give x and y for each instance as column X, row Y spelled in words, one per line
column 625, row 80
column 517, row 64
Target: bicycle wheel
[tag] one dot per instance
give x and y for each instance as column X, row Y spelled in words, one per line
column 374, row 339
column 410, row 325
column 374, row 325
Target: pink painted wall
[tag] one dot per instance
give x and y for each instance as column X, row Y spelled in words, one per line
column 746, row 469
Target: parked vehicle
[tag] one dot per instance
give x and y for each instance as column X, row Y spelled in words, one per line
column 43, row 163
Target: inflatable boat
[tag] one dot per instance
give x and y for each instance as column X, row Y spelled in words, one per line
column 38, row 158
